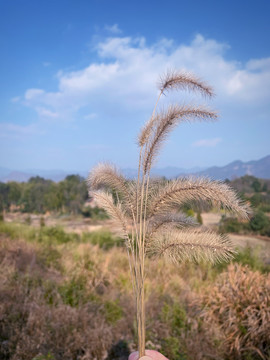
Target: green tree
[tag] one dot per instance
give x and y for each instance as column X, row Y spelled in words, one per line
column 74, row 192
column 265, row 187
column 4, row 190
column 256, row 199
column 256, row 185
column 259, row 222
column 33, row 198
column 14, row 192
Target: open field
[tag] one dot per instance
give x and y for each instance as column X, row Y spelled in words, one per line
column 262, row 243
column 79, row 225
column 71, row 223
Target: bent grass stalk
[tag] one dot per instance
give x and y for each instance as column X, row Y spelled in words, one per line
column 151, row 208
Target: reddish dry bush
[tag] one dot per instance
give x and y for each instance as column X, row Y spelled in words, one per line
column 66, row 332
column 17, row 256
column 239, row 304
column 31, row 325
column 28, row 328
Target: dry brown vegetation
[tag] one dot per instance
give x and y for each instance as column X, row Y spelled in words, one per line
column 239, row 303
column 74, row 300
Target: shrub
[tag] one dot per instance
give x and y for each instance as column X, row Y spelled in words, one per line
column 230, row 225
column 95, row 213
column 199, row 218
column 265, row 208
column 174, row 315
column 256, row 199
column 260, row 223
column 104, row 239
column 73, row 292
column 250, row 257
column 50, row 257
column 48, row 356
column 256, row 185
column 46, row 332
column 18, row 231
column 28, row 220
column 56, row 235
column 239, row 304
column 112, row 311
column 172, row 348
column 42, row 221
column 167, row 327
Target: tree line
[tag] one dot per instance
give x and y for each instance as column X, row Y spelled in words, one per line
column 39, row 195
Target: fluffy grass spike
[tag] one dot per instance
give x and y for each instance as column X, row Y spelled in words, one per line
column 180, row 80
column 178, row 246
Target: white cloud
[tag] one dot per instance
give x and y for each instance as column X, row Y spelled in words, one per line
column 207, row 142
column 8, row 130
column 15, row 99
column 94, row 147
column 33, row 94
column 90, row 116
column 114, row 29
column 128, row 69
column 46, row 113
column 46, row 63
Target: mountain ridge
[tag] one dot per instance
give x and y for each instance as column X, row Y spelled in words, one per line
column 258, row 168
column 237, row 168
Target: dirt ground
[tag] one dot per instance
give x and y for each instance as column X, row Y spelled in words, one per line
column 211, row 220
column 70, row 223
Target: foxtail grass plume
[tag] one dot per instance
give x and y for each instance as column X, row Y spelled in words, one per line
column 181, row 80
column 148, row 213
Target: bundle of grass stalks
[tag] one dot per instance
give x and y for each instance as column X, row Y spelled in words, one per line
column 146, row 211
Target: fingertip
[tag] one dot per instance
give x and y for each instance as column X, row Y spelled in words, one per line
column 149, row 355
column 134, row 356
column 153, row 354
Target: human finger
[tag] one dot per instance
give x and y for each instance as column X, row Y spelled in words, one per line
column 149, row 355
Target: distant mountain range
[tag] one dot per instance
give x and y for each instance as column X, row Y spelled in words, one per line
column 259, row 168
column 169, row 172
column 22, row 176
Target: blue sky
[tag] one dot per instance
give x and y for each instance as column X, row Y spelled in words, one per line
column 78, row 80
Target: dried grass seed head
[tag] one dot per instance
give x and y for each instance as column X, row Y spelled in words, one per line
column 166, row 121
column 106, row 176
column 168, row 221
column 182, row 80
column 181, row 245
column 180, row 191
column 115, row 211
